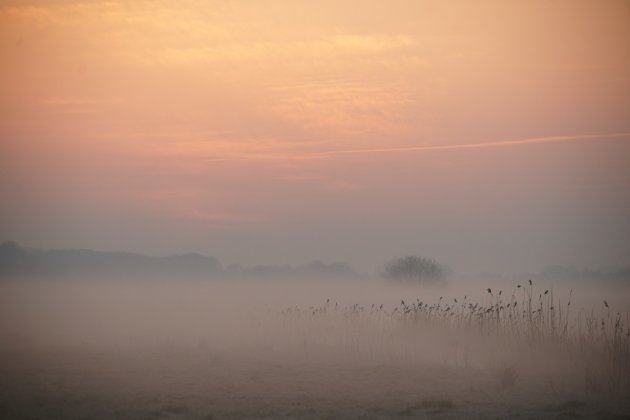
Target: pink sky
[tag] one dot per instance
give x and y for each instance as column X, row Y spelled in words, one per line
column 287, row 131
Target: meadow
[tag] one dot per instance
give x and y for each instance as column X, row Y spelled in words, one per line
column 347, row 349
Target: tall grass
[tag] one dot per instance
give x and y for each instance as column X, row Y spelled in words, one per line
column 597, row 341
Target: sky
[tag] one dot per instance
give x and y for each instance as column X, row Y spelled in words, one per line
column 489, row 135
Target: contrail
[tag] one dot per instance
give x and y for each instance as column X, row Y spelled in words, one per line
column 503, row 143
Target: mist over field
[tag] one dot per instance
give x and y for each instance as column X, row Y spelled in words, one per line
column 332, row 209
column 363, row 346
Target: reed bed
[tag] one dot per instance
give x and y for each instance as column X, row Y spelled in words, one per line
column 525, row 327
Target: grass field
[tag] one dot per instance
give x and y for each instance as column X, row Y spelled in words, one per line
column 202, row 351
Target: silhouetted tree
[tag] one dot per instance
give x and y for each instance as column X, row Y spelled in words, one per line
column 415, row 269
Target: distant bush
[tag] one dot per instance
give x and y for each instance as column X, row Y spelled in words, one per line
column 415, row 269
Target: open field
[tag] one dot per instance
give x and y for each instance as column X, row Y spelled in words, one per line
column 202, row 351
column 87, row 383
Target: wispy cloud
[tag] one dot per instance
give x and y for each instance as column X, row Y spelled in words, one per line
column 463, row 146
column 502, row 143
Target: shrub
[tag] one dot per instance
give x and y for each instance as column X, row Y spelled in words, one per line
column 415, row 269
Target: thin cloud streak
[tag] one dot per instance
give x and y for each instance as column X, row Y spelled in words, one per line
column 503, row 143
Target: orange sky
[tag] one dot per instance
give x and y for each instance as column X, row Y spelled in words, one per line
column 285, row 131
